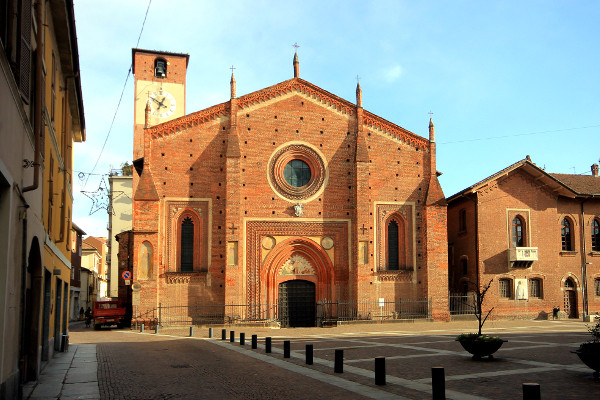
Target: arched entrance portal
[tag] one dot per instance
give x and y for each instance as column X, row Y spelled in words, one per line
column 570, row 296
column 297, row 303
column 298, row 260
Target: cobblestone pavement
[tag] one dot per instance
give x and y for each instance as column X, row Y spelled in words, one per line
column 133, row 365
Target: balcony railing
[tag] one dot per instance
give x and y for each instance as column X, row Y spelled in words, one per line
column 522, row 257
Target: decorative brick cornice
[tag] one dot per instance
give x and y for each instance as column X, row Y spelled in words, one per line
column 375, row 122
column 188, row 121
column 183, row 277
column 301, row 86
column 292, row 85
column 403, row 275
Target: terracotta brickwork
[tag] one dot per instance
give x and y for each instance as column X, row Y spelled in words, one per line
column 226, row 165
column 542, row 201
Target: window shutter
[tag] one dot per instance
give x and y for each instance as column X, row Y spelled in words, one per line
column 25, row 51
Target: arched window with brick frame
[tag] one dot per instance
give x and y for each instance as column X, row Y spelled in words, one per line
column 595, row 235
column 395, row 243
column 566, row 234
column 518, row 232
column 189, row 238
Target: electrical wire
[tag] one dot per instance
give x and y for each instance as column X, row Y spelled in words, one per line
column 120, row 98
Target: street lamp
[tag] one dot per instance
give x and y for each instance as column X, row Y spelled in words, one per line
column 586, row 317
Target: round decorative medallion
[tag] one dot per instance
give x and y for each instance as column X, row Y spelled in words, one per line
column 297, row 172
column 327, row 243
column 268, row 242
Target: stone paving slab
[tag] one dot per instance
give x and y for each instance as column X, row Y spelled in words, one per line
column 86, row 390
column 537, row 351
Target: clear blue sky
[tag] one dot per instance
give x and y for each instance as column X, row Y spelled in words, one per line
column 504, row 79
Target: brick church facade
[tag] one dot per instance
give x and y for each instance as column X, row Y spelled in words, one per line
column 286, row 191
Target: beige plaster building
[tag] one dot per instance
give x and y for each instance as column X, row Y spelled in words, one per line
column 119, row 220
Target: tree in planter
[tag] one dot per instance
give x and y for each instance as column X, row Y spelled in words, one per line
column 476, row 343
column 589, row 352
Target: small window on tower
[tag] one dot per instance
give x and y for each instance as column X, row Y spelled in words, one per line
column 160, row 68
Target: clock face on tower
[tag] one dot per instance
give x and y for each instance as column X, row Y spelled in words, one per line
column 163, row 103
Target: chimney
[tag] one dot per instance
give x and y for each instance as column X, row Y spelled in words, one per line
column 595, row 170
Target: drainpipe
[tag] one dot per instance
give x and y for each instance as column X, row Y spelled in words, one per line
column 23, row 299
column 584, row 263
column 39, row 101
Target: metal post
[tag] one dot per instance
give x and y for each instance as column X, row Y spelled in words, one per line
column 242, row 339
column 286, row 349
column 267, row 345
column 156, row 329
column 232, row 336
column 339, row 361
column 254, row 341
column 438, row 383
column 584, row 299
column 532, row 391
column 159, row 313
column 380, row 371
column 309, row 354
column 192, row 332
column 210, row 331
column 223, row 334
column 142, row 328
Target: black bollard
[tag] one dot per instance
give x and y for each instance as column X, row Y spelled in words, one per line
column 142, row 328
column 232, row 336
column 223, row 334
column 380, row 371
column 242, row 339
column 192, row 332
column 286, row 349
column 267, row 345
column 339, row 361
column 210, row 332
column 532, row 391
column 309, row 354
column 254, row 341
column 438, row 383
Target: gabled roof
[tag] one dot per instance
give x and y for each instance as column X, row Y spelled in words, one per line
column 292, row 85
column 548, row 180
column 581, row 184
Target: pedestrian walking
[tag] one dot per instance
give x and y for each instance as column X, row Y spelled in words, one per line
column 88, row 317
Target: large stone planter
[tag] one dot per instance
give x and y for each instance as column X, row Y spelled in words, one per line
column 589, row 354
column 481, row 348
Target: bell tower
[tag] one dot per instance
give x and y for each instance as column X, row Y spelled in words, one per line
column 159, row 80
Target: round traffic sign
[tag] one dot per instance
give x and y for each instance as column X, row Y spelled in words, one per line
column 126, row 275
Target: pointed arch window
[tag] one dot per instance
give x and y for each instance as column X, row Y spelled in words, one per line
column 187, row 245
column 518, row 232
column 188, row 253
column 566, row 235
column 145, row 262
column 395, row 243
column 595, row 235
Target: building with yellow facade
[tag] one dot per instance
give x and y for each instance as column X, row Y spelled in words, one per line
column 41, row 117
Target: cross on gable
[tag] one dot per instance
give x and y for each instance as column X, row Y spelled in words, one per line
column 232, row 68
column 363, row 229
column 233, row 228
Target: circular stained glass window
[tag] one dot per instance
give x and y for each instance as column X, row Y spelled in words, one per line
column 296, row 173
